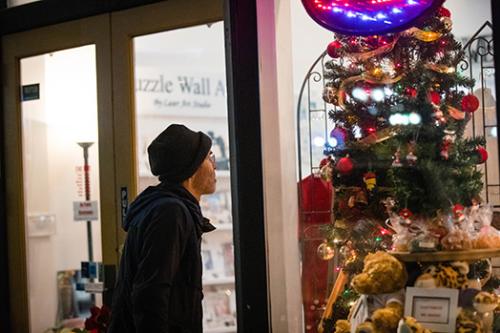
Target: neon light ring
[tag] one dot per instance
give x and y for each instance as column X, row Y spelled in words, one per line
column 369, row 17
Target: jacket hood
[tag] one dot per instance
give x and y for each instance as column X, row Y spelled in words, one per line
column 137, row 209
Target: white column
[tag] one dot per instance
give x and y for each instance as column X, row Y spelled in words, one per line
column 279, row 164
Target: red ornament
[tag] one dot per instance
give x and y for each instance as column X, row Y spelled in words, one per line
column 458, row 212
column 434, row 97
column 405, row 213
column 458, row 209
column 411, row 92
column 444, row 12
column 483, row 154
column 345, row 165
column 333, row 49
column 470, row 103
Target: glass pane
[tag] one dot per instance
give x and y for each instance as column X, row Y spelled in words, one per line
column 180, row 78
column 59, row 112
column 400, row 162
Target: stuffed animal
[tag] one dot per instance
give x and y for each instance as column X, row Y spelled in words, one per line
column 411, row 325
column 381, row 286
column 468, row 323
column 444, row 275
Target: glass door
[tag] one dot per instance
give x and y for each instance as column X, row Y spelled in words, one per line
column 177, row 67
column 60, row 225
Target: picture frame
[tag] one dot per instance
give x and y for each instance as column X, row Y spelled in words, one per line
column 436, row 308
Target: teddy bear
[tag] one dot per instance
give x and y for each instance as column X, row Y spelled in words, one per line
column 381, row 286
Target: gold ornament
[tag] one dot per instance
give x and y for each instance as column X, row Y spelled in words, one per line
column 330, row 95
column 377, row 73
column 448, row 24
column 325, row 251
column 361, row 198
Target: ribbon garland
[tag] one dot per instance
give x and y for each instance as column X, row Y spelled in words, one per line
column 363, row 56
column 443, row 69
column 455, row 113
column 363, row 77
column 422, row 35
column 337, row 288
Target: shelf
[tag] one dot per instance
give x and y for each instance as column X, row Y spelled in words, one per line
column 220, row 329
column 213, row 282
column 446, row 255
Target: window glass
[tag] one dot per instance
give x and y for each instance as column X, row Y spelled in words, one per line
column 325, row 208
column 180, row 78
column 61, row 184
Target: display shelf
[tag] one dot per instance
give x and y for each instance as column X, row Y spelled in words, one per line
column 446, row 255
column 223, row 280
column 220, row 329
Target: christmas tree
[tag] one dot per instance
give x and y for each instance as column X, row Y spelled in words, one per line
column 399, row 160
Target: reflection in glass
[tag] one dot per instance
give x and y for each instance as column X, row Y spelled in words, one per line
column 180, row 78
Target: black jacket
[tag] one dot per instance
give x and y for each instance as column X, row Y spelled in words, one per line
column 159, row 282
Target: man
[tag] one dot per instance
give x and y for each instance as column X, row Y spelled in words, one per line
column 159, row 285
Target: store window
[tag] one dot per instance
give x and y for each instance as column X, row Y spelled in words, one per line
column 61, row 171
column 371, row 174
column 180, row 78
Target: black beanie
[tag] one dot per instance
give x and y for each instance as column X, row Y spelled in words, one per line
column 177, row 152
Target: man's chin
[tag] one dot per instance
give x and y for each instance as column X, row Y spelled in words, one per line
column 210, row 191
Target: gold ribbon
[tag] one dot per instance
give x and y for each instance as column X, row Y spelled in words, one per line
column 380, row 136
column 337, row 288
column 363, row 56
column 456, row 113
column 424, row 36
column 363, row 77
column 443, row 69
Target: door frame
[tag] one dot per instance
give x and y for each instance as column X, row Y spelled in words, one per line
column 93, row 30
column 246, row 154
column 242, row 71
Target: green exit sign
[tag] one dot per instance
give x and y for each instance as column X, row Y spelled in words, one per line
column 30, row 92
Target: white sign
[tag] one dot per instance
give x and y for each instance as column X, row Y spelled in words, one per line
column 175, row 92
column 435, row 309
column 85, row 211
column 94, row 287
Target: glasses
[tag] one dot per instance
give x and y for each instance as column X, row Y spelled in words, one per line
column 211, row 157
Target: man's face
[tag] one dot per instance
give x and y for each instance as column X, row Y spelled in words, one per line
column 204, row 178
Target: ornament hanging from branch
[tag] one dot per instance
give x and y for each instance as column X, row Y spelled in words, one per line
column 369, row 17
